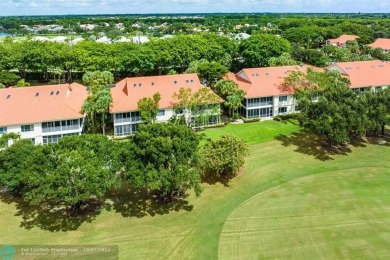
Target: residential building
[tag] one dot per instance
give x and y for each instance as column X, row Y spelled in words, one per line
column 341, row 41
column 129, row 91
column 365, row 75
column 263, row 97
column 381, row 43
column 43, row 114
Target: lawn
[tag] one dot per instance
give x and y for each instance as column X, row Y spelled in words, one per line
column 257, row 132
column 292, row 200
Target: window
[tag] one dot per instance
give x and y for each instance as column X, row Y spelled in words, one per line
column 282, row 98
column 213, row 120
column 27, row 128
column 266, row 112
column 161, row 112
column 253, row 113
column 57, row 126
column 282, row 110
column 51, row 139
column 124, row 130
column 258, row 102
column 118, row 131
column 3, row 130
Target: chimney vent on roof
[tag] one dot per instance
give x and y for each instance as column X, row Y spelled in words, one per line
column 135, row 85
column 57, row 93
column 8, row 97
column 152, row 83
column 192, row 80
column 140, row 85
column 175, row 82
column 267, row 73
column 51, row 93
column 187, row 81
column 70, row 87
column 37, row 94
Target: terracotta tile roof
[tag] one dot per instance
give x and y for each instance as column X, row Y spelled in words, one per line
column 343, row 39
column 129, row 91
column 263, row 82
column 365, row 73
column 27, row 105
column 381, row 43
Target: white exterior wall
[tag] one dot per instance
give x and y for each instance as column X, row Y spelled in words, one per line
column 169, row 113
column 276, row 104
column 38, row 134
column 290, row 104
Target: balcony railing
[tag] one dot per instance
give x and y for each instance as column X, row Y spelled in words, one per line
column 60, row 128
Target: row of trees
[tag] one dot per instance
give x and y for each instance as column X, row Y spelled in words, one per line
column 163, row 158
column 50, row 61
column 330, row 108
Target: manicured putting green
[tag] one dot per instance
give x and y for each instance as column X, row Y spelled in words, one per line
column 333, row 215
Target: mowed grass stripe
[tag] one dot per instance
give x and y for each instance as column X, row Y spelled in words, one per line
column 311, row 217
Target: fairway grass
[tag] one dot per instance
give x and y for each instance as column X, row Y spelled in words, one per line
column 342, row 214
column 285, row 192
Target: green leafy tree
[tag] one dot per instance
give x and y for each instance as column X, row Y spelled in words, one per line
column 13, row 165
column 203, row 102
column 165, row 158
column 283, row 60
column 224, row 156
column 148, row 108
column 72, row 172
column 258, row 49
column 8, row 78
column 211, row 72
column 378, row 104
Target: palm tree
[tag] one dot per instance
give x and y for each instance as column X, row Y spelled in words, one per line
column 88, row 108
column 234, row 101
column 103, row 104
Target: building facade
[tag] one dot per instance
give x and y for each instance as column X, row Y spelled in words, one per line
column 263, row 98
column 128, row 92
column 43, row 114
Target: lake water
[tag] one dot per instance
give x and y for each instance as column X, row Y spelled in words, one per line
column 4, row 34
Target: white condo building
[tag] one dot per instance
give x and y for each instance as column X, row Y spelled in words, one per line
column 129, row 91
column 43, row 114
column 264, row 99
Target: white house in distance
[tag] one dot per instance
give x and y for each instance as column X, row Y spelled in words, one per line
column 139, row 39
column 263, row 98
column 341, row 42
column 43, row 114
column 365, row 75
column 381, row 43
column 129, row 91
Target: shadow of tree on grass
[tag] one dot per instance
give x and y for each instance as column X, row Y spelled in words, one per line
column 126, row 201
column 130, row 202
column 50, row 218
column 313, row 145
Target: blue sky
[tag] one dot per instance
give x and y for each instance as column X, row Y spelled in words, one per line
column 54, row 7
